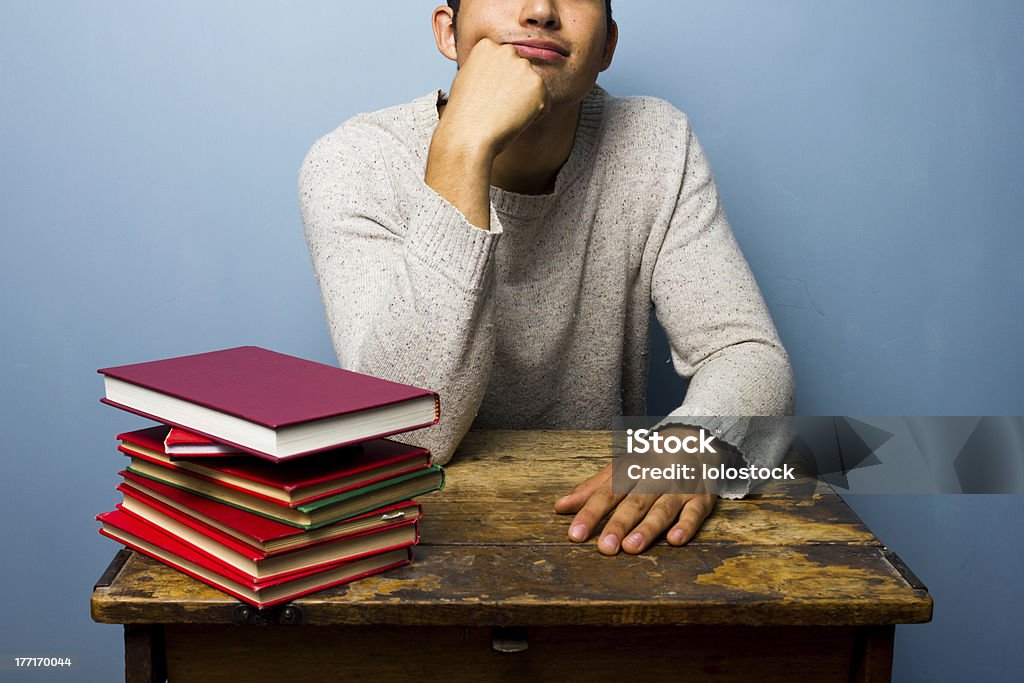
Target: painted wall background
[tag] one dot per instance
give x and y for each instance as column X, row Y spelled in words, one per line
column 868, row 154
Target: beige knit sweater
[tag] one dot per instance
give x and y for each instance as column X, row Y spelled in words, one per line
column 543, row 321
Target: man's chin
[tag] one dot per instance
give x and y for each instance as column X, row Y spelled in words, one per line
column 560, row 93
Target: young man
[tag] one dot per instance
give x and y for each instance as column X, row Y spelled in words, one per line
column 504, row 247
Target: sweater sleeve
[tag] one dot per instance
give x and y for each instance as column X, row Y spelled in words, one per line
column 719, row 329
column 404, row 278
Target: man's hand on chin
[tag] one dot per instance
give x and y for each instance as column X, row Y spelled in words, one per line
column 637, row 519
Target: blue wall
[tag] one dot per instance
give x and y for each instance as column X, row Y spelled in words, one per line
column 868, row 155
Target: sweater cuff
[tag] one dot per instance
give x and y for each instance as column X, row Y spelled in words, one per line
column 441, row 238
column 759, row 441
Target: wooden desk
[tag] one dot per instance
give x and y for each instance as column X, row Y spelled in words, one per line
column 788, row 585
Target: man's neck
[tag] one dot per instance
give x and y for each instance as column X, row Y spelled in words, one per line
column 530, row 164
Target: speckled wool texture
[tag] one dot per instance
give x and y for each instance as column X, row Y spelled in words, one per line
column 542, row 322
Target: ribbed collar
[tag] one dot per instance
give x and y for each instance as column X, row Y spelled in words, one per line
column 524, row 206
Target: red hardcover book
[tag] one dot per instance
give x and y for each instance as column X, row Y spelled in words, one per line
column 268, row 403
column 293, row 482
column 184, row 444
column 260, row 566
column 167, row 549
column 262, row 534
column 310, row 515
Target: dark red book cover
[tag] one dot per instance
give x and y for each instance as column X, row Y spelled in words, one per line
column 266, row 387
column 291, row 477
column 269, row 391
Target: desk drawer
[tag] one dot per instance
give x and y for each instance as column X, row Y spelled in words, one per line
column 734, row 653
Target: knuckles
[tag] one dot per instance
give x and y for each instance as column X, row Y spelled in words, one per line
column 635, row 503
column 602, row 497
column 489, row 56
column 663, row 512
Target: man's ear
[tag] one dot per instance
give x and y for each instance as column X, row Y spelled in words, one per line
column 444, row 31
column 609, row 45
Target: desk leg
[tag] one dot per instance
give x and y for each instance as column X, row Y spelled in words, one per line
column 873, row 654
column 144, row 660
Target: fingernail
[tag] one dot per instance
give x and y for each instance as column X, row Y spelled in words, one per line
column 610, row 541
column 578, row 532
column 635, row 539
column 676, row 536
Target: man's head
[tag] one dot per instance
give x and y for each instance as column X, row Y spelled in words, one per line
column 581, row 31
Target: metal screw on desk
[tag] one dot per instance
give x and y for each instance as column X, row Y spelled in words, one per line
column 290, row 615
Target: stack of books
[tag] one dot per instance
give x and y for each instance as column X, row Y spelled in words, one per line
column 269, row 477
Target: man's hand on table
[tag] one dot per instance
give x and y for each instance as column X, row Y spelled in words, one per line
column 638, row 519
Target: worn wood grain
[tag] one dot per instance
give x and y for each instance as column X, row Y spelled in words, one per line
column 558, row 585
column 822, row 519
column 549, row 463
column 493, row 552
column 503, row 485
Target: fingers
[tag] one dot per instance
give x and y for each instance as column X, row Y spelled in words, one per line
column 661, row 515
column 638, row 519
column 695, row 511
column 574, row 501
column 600, row 503
column 629, row 513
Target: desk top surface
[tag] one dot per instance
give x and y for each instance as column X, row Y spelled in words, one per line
column 492, row 552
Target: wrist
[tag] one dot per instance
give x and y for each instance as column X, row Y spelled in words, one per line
column 459, row 170
column 459, row 143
